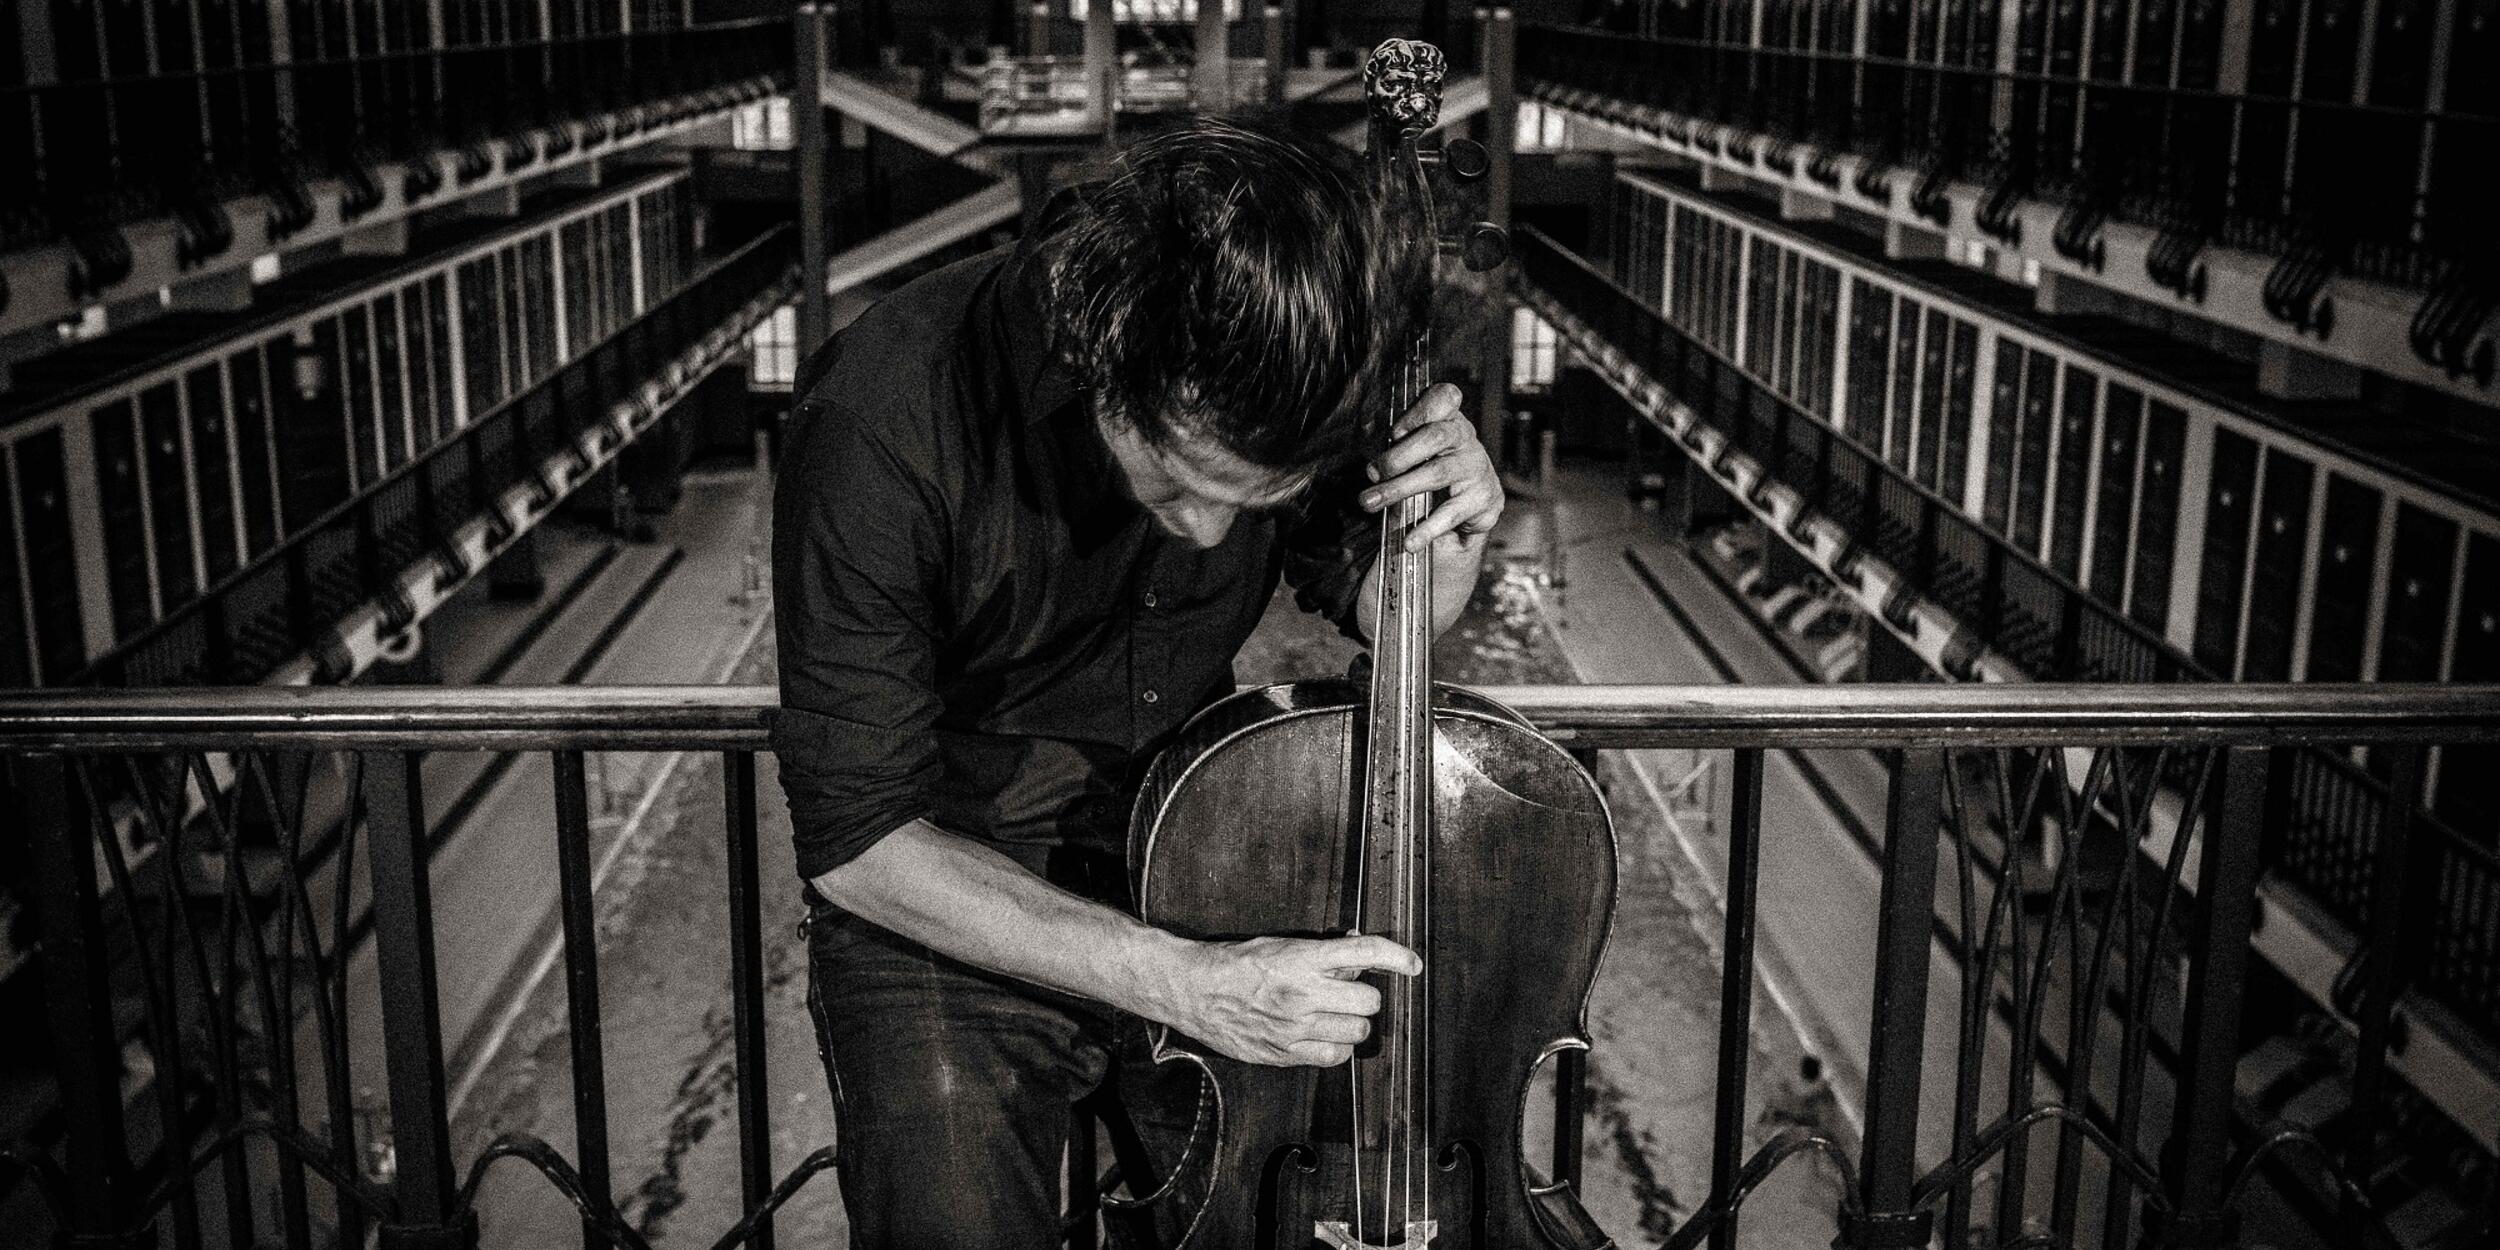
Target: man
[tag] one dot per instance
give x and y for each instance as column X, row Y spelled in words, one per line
column 1031, row 505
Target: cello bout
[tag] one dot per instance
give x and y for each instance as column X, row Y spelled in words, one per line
column 1251, row 824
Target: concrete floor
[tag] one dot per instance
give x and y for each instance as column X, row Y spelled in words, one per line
column 1653, row 1014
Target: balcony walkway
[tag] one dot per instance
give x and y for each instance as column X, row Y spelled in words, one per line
column 665, row 937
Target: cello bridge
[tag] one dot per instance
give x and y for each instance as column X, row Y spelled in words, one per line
column 1339, row 1235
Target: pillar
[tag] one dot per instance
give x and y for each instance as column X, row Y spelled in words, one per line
column 807, row 116
column 1215, row 71
column 1272, row 24
column 1100, row 62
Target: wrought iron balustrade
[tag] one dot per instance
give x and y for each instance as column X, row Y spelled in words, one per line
column 2098, row 1010
column 101, row 144
column 2382, row 192
column 2337, row 810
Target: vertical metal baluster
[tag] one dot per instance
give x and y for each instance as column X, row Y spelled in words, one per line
column 219, row 995
column 2197, row 1163
column 1744, row 870
column 77, row 1003
column 1904, row 936
column 2091, row 992
column 425, row 1188
column 746, row 988
column 2147, row 968
column 158, row 970
column 243, row 928
column 252, row 777
column 1978, row 980
column 337, row 1073
column 2031, row 991
column 581, row 990
column 2402, row 896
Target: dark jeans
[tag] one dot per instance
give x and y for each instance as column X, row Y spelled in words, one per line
column 952, row 1093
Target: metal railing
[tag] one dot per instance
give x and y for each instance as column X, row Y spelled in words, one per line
column 2288, row 177
column 98, row 148
column 244, row 627
column 2098, row 1013
column 1050, row 95
column 2337, row 810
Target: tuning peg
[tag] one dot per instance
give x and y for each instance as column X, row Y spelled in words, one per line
column 1464, row 158
column 1483, row 246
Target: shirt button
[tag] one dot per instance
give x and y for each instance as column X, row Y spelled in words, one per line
column 1150, row 598
column 1150, row 696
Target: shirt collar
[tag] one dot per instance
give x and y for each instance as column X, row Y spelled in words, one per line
column 1044, row 398
column 1041, row 385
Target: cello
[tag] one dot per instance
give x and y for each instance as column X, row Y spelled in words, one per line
column 1424, row 813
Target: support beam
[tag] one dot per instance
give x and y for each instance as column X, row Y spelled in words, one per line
column 502, row 201
column 227, row 290
column 2065, row 295
column 1720, row 178
column 1272, row 30
column 586, row 173
column 1796, row 205
column 389, row 238
column 814, row 35
column 1101, row 42
column 2286, row 372
column 1903, row 241
column 1215, row 68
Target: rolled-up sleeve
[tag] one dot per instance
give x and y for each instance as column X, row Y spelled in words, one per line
column 1330, row 548
column 856, row 543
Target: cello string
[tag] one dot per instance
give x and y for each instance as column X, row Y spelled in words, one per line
column 1418, row 626
column 1396, row 1043
column 1406, row 848
column 1423, row 818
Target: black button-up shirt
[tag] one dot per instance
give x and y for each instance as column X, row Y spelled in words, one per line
column 977, row 625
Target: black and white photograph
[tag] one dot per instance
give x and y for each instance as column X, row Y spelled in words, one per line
column 1249, row 625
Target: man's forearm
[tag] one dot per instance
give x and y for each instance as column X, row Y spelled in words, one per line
column 969, row 902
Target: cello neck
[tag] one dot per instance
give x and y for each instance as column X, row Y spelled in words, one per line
column 1403, row 80
column 1399, row 764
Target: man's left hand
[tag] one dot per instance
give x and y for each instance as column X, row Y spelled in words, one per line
column 1433, row 447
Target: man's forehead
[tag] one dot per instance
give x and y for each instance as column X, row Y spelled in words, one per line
column 1206, row 466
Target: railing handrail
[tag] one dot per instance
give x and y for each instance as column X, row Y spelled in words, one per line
column 2039, row 78
column 362, row 60
column 502, row 718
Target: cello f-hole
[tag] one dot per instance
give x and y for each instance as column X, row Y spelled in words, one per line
column 1299, row 1157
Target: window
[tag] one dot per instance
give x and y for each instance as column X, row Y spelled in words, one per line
column 1532, row 350
column 1154, row 10
column 773, row 364
column 763, row 126
column 1540, row 128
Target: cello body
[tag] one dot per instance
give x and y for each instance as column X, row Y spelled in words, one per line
column 1253, row 824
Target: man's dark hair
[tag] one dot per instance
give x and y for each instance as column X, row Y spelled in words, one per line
column 1236, row 283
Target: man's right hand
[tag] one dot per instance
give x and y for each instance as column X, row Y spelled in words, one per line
column 1281, row 1000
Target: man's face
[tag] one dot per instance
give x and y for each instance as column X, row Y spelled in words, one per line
column 1190, row 486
